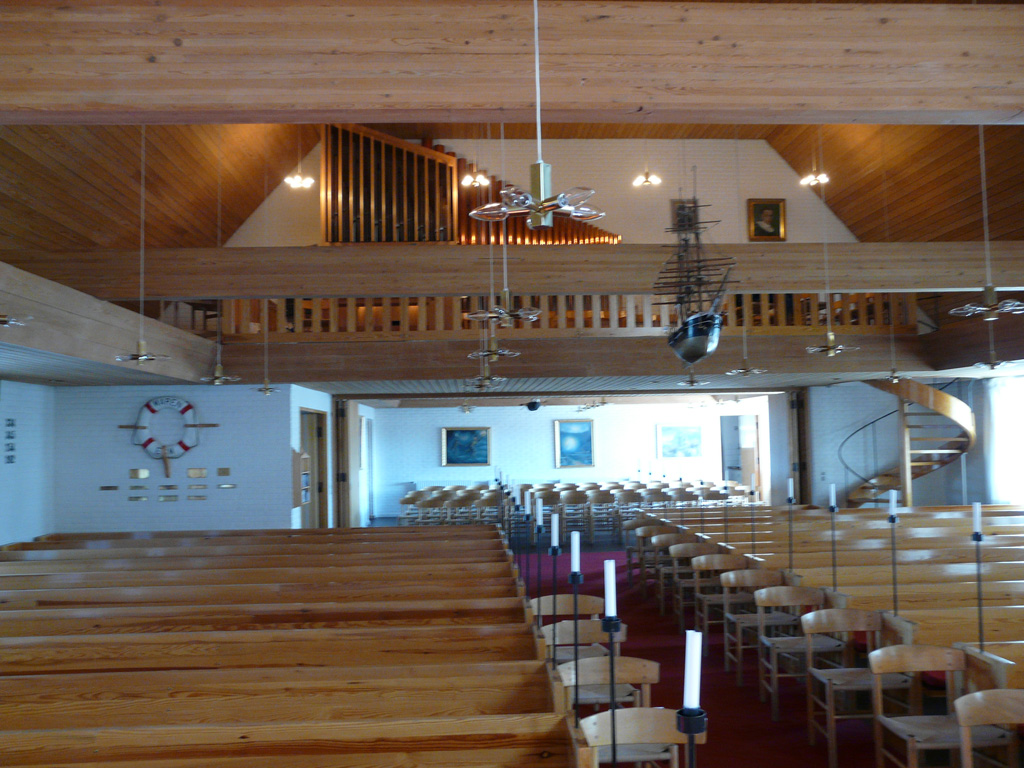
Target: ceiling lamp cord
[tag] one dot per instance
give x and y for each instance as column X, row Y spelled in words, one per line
column 646, row 179
column 830, row 348
column 141, row 355
column 893, row 376
column 298, row 181
column 990, row 306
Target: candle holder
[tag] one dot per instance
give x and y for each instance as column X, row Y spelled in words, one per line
column 525, row 547
column 790, row 501
column 835, row 575
column 892, row 558
column 576, row 578
column 554, row 552
column 612, row 625
column 538, row 532
column 692, row 722
column 976, row 537
column 753, row 530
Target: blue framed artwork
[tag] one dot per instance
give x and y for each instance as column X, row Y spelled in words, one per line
column 574, row 443
column 679, row 442
column 465, row 446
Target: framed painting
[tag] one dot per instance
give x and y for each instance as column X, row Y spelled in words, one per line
column 465, row 446
column 766, row 219
column 677, row 442
column 574, row 443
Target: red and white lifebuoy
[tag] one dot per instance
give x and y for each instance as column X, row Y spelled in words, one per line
column 144, row 436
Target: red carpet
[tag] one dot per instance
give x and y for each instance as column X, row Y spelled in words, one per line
column 740, row 728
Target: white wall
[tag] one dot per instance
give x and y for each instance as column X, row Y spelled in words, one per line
column 26, row 460
column 1000, row 423
column 252, row 441
column 408, row 445
column 728, row 173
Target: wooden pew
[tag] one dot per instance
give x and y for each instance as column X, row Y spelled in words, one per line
column 517, row 741
column 1000, row 665
column 368, row 534
column 270, row 695
column 206, row 618
column 945, row 626
column 963, row 594
column 854, row 575
column 904, row 556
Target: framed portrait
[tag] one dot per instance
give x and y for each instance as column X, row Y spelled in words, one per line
column 574, row 443
column 465, row 446
column 766, row 219
column 677, row 442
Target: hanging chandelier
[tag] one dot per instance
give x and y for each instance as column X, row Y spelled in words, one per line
column 6, row 321
column 299, row 180
column 484, row 381
column 141, row 354
column 991, row 307
column 266, row 389
column 745, row 369
column 539, row 204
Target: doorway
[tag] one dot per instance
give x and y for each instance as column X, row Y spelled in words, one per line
column 313, row 429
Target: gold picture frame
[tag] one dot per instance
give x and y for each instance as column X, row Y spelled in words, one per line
column 766, row 219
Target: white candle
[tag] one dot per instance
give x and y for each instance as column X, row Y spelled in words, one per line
column 792, row 494
column 691, row 670
column 610, row 606
column 753, row 481
column 574, row 552
column 832, row 495
column 527, row 495
column 892, row 502
column 554, row 529
column 540, row 513
column 976, row 507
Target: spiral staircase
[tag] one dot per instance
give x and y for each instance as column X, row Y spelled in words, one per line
column 936, row 429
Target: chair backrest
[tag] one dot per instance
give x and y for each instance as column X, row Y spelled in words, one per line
column 666, row 540
column 574, row 497
column 650, row 531
column 999, row 706
column 587, row 486
column 600, row 497
column 682, row 494
column 454, row 488
column 628, row 497
column 432, row 488
column 794, row 597
column 548, row 497
column 916, row 658
column 692, row 549
column 655, row 496
column 431, row 502
column 633, row 725
column 639, row 522
column 590, row 631
column 719, row 563
column 412, row 497
column 629, row 670
column 830, row 620
column 750, row 578
column 589, row 605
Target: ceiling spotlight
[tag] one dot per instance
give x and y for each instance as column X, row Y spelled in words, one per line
column 813, row 179
column 299, row 181
column 469, row 180
column 830, row 348
column 6, row 321
column 991, row 307
column 647, row 179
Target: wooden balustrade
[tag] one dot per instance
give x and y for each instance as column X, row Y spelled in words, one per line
column 562, row 315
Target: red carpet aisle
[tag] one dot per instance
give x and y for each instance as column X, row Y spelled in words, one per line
column 740, row 729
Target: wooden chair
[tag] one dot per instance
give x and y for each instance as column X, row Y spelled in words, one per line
column 832, row 691
column 707, row 589
column 656, row 555
column 783, row 656
column 683, row 496
column 918, row 732
column 590, row 606
column 677, row 570
column 431, row 510
column 642, row 735
column 1000, row 706
column 574, row 513
column 643, row 535
column 740, row 625
column 558, row 639
column 602, row 514
column 409, row 514
column 633, row 680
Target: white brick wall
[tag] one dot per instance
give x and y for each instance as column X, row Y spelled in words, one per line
column 253, row 441
column 26, row 483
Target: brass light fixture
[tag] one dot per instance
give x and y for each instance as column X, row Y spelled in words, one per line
column 141, row 354
column 266, row 389
column 745, row 369
column 6, row 321
column 299, row 180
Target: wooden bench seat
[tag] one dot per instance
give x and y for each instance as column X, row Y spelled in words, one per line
column 133, row 699
column 945, row 626
column 433, row 571
column 264, row 648
column 219, row 594
column 852, row 575
column 376, row 534
column 515, row 741
column 206, row 618
column 927, row 595
column 904, row 556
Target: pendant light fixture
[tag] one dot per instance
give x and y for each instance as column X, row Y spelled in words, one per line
column 141, row 355
column 893, row 377
column 830, row 348
column 218, row 377
column 745, row 369
column 539, row 205
column 646, row 179
column 693, row 381
column 990, row 307
column 299, row 180
column 6, row 321
column 266, row 389
column 993, row 363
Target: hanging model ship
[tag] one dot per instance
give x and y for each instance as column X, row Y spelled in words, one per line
column 697, row 283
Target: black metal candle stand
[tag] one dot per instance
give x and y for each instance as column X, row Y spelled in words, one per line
column 692, row 722
column 612, row 625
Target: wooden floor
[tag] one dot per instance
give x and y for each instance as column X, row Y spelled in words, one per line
column 385, row 647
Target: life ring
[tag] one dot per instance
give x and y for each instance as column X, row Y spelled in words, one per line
column 143, row 436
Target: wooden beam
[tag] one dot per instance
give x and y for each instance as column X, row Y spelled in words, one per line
column 110, row 61
column 417, row 269
column 965, row 343
column 67, row 322
column 576, row 357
